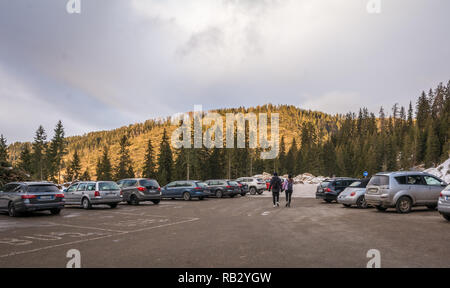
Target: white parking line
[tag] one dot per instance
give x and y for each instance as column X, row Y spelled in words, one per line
column 265, row 213
column 93, row 239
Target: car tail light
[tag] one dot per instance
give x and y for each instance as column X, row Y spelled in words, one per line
column 441, row 195
column 197, row 188
column 28, row 196
column 97, row 194
column 229, row 187
column 159, row 189
column 328, row 190
column 142, row 189
column 121, row 192
column 59, row 195
column 353, row 194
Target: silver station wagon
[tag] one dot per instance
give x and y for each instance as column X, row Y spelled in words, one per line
column 403, row 190
column 444, row 203
column 87, row 194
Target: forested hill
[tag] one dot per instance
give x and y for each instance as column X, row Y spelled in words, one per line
column 394, row 138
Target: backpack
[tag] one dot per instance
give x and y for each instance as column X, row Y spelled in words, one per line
column 289, row 185
column 276, row 184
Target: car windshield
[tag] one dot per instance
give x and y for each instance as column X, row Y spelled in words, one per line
column 108, row 186
column 149, row 183
column 355, row 184
column 260, row 180
column 325, row 184
column 379, row 180
column 42, row 188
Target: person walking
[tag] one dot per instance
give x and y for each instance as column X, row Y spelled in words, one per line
column 289, row 188
column 275, row 187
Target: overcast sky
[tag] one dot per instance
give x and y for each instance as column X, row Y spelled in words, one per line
column 125, row 61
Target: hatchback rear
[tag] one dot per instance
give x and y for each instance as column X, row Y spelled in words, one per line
column 330, row 189
column 139, row 190
column 16, row 198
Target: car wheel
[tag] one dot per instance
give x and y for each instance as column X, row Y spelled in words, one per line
column 86, row 203
column 186, row 196
column 446, row 216
column 252, row 191
column 432, row 207
column 134, row 200
column 12, row 210
column 381, row 208
column 156, row 202
column 219, row 194
column 347, row 205
column 243, row 194
column 232, row 195
column 113, row 205
column 260, row 192
column 327, row 200
column 361, row 202
column 201, row 198
column 404, row 205
column 55, row 211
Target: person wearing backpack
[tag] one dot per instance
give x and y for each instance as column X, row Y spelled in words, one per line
column 275, row 187
column 289, row 188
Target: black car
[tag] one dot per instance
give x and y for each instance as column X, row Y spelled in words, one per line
column 220, row 188
column 330, row 189
column 244, row 187
column 19, row 197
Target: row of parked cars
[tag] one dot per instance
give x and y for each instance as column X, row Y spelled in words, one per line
column 16, row 198
column 399, row 190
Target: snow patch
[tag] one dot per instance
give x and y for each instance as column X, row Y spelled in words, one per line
column 442, row 171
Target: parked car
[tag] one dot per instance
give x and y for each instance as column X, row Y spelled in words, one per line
column 19, row 197
column 255, row 185
column 220, row 188
column 403, row 190
column 139, row 190
column 330, row 189
column 244, row 187
column 186, row 189
column 92, row 193
column 354, row 194
column 444, row 203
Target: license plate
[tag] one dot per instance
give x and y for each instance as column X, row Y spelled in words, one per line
column 45, row 197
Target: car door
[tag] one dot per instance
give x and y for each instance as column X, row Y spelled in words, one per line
column 434, row 189
column 69, row 194
column 417, row 188
column 78, row 194
column 169, row 191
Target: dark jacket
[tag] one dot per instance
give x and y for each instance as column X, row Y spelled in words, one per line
column 275, row 184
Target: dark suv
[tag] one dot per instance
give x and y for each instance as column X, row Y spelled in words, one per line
column 330, row 189
column 140, row 190
column 220, row 188
column 19, row 197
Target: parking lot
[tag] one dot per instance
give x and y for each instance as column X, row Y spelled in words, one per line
column 240, row 232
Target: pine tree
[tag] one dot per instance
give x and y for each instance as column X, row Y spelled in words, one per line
column 148, row 169
column 74, row 168
column 25, row 159
column 104, row 167
column 124, row 168
column 432, row 146
column 38, row 155
column 165, row 161
column 3, row 150
column 86, row 176
column 56, row 152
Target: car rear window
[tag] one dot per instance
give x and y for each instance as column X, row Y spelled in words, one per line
column 108, row 186
column 379, row 180
column 325, row 184
column 149, row 183
column 42, row 188
column 234, row 183
column 356, row 184
column 201, row 184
